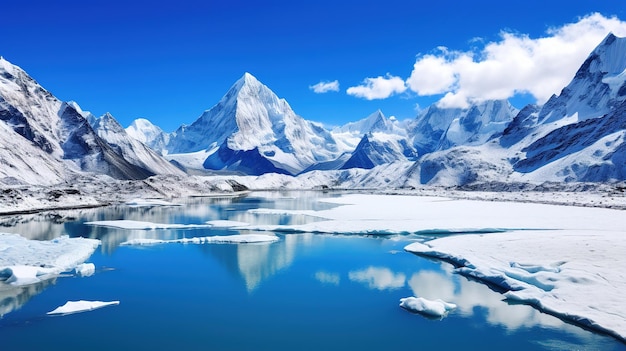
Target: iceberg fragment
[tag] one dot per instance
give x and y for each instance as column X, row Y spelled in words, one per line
column 80, row 306
column 433, row 308
column 141, row 225
column 218, row 239
column 85, row 269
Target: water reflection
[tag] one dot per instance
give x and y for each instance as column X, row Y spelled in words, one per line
column 13, row 298
column 254, row 263
column 472, row 297
column 379, row 278
column 327, row 277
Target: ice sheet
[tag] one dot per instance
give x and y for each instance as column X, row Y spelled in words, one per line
column 223, row 239
column 577, row 275
column 71, row 307
column 24, row 261
column 395, row 214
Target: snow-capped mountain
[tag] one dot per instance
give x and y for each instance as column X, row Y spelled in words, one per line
column 47, row 141
column 437, row 128
column 154, row 137
column 131, row 149
column 252, row 130
column 373, row 141
column 379, row 148
column 576, row 136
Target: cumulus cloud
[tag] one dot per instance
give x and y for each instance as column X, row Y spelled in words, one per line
column 325, row 87
column 514, row 64
column 378, row 88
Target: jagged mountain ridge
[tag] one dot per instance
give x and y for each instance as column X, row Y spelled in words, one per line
column 49, row 141
column 576, row 136
column 250, row 121
column 132, row 150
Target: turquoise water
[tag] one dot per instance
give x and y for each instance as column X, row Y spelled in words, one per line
column 304, row 292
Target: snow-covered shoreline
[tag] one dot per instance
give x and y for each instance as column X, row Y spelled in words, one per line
column 91, row 192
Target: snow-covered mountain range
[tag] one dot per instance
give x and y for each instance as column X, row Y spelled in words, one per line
column 47, row 141
column 578, row 135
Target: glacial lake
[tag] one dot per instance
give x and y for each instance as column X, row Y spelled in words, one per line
column 302, row 292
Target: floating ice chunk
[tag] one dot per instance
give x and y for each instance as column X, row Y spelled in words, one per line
column 85, row 269
column 23, row 275
column 217, row 239
column 149, row 202
column 434, row 308
column 141, row 225
column 81, row 306
column 26, row 261
column 226, row 224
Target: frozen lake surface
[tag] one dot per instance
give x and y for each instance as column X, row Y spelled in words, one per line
column 331, row 280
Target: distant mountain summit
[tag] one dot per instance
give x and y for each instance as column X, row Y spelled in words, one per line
column 251, row 126
column 437, row 128
column 144, row 131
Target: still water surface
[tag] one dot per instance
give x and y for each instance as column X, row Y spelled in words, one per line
column 304, row 292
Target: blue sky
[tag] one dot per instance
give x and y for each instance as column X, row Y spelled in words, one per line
column 170, row 60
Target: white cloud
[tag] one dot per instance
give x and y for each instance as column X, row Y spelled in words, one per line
column 325, row 87
column 378, row 88
column 514, row 64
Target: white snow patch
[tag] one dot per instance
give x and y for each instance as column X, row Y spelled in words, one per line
column 434, row 308
column 71, row 307
column 218, row 239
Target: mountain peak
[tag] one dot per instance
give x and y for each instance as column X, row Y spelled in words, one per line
column 611, row 53
column 247, row 80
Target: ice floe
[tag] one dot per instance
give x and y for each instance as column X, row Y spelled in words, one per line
column 142, row 225
column 223, row 239
column 85, row 269
column 71, row 307
column 226, row 224
column 149, row 202
column 434, row 308
column 24, row 261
